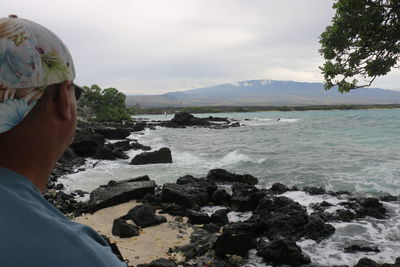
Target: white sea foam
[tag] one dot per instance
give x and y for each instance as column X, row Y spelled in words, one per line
column 371, row 232
column 268, row 121
column 233, row 216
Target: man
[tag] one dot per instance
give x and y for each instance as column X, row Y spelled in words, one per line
column 37, row 123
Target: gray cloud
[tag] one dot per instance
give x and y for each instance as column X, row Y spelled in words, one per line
column 156, row 46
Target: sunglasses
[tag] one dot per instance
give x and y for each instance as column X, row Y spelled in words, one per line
column 78, row 91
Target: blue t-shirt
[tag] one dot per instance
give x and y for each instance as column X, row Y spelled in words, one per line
column 34, row 233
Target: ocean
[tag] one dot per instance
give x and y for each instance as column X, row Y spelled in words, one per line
column 355, row 150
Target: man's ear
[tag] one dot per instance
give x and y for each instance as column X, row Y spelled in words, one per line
column 63, row 100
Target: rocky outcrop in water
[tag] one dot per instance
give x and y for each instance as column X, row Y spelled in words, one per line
column 163, row 155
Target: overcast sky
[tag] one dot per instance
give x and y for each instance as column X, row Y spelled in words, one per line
column 157, row 46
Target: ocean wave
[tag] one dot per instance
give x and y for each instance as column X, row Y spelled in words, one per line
column 267, row 121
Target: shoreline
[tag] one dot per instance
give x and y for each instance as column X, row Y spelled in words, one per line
column 247, row 198
column 241, row 109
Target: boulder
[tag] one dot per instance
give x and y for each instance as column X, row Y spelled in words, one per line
column 221, row 197
column 234, row 244
column 186, row 119
column 280, row 217
column 139, row 126
column 184, row 195
column 118, row 192
column 123, row 229
column 223, row 176
column 220, row 217
column 159, row 263
column 312, row 190
column 278, row 188
column 245, row 197
column 113, row 133
column 86, row 143
column 371, row 207
column 137, row 146
column 159, row 156
column 196, row 217
column 317, row 229
column 283, row 252
column 200, row 242
column 365, row 262
column 357, row 248
column 144, row 216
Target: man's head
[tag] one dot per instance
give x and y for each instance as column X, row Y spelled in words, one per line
column 37, row 98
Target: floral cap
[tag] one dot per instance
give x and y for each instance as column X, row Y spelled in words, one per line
column 31, row 58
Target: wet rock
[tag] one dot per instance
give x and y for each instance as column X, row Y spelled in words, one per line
column 365, row 262
column 191, row 181
column 173, row 209
column 86, row 143
column 201, row 242
column 211, row 228
column 144, row 216
column 196, row 217
column 221, row 197
column 234, row 244
column 120, row 192
column 105, row 153
column 317, row 229
column 314, row 190
column 345, row 215
column 137, row 146
column 159, row 263
column 371, row 207
column 186, row 119
column 278, row 188
column 124, row 145
column 139, row 126
column 119, row 153
column 189, row 195
column 113, row 133
column 220, row 217
column 123, row 229
column 245, row 197
column 357, row 248
column 223, row 176
column 280, row 217
column 321, row 207
column 283, row 252
column 389, row 198
column 162, row 155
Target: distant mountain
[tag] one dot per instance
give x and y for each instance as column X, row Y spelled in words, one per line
column 266, row 93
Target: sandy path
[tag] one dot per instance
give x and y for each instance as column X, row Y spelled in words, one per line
column 152, row 243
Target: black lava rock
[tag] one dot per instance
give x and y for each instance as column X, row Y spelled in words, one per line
column 278, row 188
column 123, row 229
column 220, row 217
column 221, row 197
column 144, row 216
column 159, row 263
column 317, row 229
column 196, row 217
column 234, row 244
column 223, row 176
column 283, row 252
column 365, row 262
column 245, row 197
column 162, row 155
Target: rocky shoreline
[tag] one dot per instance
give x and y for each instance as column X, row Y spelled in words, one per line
column 273, row 226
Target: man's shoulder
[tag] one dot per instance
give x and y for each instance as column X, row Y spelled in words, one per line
column 32, row 230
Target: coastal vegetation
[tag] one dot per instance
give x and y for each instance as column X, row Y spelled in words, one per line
column 102, row 105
